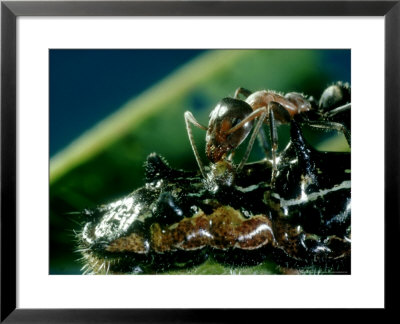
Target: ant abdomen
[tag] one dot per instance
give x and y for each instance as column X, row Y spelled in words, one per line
column 335, row 95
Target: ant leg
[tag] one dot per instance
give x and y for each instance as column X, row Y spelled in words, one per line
column 260, row 112
column 328, row 125
column 243, row 92
column 262, row 139
column 276, row 111
column 338, row 110
column 273, row 132
column 249, row 118
column 272, row 108
column 189, row 118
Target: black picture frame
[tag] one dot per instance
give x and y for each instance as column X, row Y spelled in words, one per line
column 10, row 10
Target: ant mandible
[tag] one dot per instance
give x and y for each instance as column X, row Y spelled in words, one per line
column 232, row 119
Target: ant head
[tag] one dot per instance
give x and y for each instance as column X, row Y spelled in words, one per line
column 227, row 114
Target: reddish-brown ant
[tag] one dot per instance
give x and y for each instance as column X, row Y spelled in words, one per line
column 232, row 120
column 230, row 123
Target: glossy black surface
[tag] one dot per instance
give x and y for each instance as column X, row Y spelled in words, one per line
column 310, row 214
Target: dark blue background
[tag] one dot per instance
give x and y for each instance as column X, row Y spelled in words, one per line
column 94, row 83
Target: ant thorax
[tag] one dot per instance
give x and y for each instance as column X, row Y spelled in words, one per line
column 261, row 98
column 291, row 104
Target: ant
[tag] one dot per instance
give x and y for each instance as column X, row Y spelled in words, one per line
column 232, row 119
column 230, row 123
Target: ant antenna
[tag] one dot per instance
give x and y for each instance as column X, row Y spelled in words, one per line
column 190, row 118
